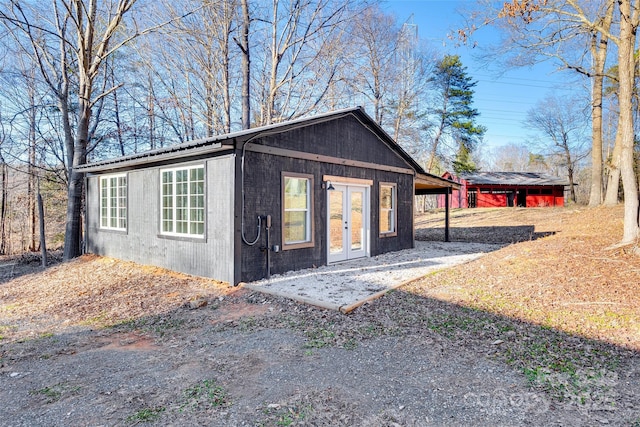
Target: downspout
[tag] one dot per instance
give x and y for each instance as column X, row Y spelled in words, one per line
column 244, row 239
column 266, row 218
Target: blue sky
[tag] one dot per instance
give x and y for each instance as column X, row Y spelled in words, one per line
column 502, row 99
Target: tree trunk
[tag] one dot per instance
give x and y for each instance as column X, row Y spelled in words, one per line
column 572, row 185
column 75, row 190
column 73, row 233
column 434, row 147
column 613, row 175
column 43, row 241
column 595, row 194
column 599, row 50
column 151, row 114
column 246, row 66
column 3, row 209
column 626, row 64
column 116, row 113
column 226, row 61
column 31, row 172
column 274, row 63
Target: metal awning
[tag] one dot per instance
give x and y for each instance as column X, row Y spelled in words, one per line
column 431, row 184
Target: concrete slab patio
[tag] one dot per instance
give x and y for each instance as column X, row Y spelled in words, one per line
column 345, row 286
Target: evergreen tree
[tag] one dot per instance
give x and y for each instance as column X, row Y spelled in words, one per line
column 463, row 163
column 456, row 130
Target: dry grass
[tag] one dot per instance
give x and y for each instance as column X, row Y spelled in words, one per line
column 95, row 292
column 569, row 280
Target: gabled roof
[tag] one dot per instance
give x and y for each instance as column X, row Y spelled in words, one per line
column 230, row 140
column 513, row 178
column 234, row 140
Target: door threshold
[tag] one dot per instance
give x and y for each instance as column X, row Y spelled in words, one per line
column 342, row 261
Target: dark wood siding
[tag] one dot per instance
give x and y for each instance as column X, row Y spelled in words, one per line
column 345, row 138
column 263, row 197
column 404, row 238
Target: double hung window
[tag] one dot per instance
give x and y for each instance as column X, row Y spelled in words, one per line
column 388, row 220
column 297, row 202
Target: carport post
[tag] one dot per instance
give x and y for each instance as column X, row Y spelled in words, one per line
column 446, row 213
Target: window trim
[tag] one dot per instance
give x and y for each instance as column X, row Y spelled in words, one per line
column 174, row 234
column 394, row 209
column 310, row 211
column 108, row 178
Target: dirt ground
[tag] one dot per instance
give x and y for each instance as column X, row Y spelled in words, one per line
column 544, row 331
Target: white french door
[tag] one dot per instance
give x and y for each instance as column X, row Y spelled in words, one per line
column 347, row 222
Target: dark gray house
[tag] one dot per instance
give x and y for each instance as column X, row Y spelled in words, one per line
column 241, row 206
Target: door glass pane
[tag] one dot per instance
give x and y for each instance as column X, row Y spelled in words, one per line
column 336, row 245
column 357, row 225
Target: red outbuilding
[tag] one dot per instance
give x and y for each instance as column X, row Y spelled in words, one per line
column 504, row 189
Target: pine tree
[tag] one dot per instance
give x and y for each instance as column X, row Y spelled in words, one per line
column 454, row 115
column 463, row 162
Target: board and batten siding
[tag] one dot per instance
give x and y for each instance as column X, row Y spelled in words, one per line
column 263, row 178
column 143, row 243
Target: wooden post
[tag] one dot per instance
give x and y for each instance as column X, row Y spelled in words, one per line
column 446, row 214
column 43, row 243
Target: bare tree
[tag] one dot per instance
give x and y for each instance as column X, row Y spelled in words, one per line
column 557, row 29
column 204, row 38
column 243, row 43
column 297, row 33
column 629, row 21
column 599, row 47
column 378, row 36
column 512, row 158
column 575, row 34
column 560, row 122
column 3, row 190
column 70, row 42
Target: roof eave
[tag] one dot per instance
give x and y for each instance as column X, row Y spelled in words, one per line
column 153, row 157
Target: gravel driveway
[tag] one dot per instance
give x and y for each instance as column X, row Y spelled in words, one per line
column 256, row 360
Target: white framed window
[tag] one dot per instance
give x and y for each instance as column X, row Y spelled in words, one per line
column 182, row 199
column 388, row 216
column 113, row 202
column 297, row 210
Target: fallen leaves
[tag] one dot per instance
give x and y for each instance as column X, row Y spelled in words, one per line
column 537, row 280
column 96, row 291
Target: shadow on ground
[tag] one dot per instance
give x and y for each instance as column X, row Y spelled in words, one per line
column 493, row 235
column 259, row 360
column 12, row 267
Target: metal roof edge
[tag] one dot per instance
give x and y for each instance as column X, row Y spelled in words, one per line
column 217, row 139
column 430, row 178
column 216, row 143
column 132, row 161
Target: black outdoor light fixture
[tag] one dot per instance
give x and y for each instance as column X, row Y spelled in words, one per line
column 330, row 187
